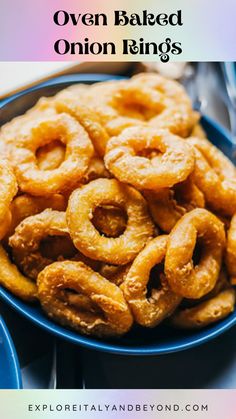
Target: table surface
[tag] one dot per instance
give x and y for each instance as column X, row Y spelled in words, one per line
column 212, row 365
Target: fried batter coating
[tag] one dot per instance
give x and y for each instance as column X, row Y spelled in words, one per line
column 205, row 313
column 8, row 189
column 142, row 100
column 119, row 250
column 215, row 176
column 26, row 240
column 230, row 256
column 86, row 117
column 108, row 313
column 89, row 177
column 168, row 160
column 151, row 310
column 189, row 278
column 14, row 281
column 24, row 206
column 78, row 153
column 168, row 205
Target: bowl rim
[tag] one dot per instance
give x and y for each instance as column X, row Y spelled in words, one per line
column 12, row 355
column 48, row 325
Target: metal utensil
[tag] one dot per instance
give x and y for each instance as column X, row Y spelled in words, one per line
column 229, row 74
column 194, row 82
column 66, row 369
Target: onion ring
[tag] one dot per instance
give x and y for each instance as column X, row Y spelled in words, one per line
column 100, row 168
column 114, row 114
column 222, row 283
column 167, row 206
column 230, row 256
column 79, row 151
column 177, row 114
column 25, row 242
column 8, row 189
column 21, row 124
column 205, row 313
column 172, row 165
column 198, row 226
column 14, row 281
column 24, row 206
column 215, row 176
column 142, row 100
column 149, row 311
column 87, row 239
column 70, row 101
column 87, row 119
column 109, row 316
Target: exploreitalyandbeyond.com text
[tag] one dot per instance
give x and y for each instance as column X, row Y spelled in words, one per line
column 119, row 408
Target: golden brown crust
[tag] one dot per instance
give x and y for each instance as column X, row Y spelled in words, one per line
column 24, row 206
column 197, row 226
column 205, row 313
column 8, row 189
column 79, row 151
column 89, row 241
column 108, row 313
column 171, row 160
column 25, row 242
column 152, row 310
column 215, row 175
column 94, row 166
column 168, row 205
column 230, row 256
column 14, row 281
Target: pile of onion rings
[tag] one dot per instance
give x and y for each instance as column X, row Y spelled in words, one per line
column 116, row 210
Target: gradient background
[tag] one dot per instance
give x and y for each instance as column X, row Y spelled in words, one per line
column 28, row 32
column 221, row 403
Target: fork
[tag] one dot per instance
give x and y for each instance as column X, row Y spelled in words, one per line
column 229, row 74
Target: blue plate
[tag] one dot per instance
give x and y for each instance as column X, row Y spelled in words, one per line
column 139, row 341
column 10, row 376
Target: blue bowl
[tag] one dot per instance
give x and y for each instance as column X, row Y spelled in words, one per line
column 10, row 376
column 139, row 341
